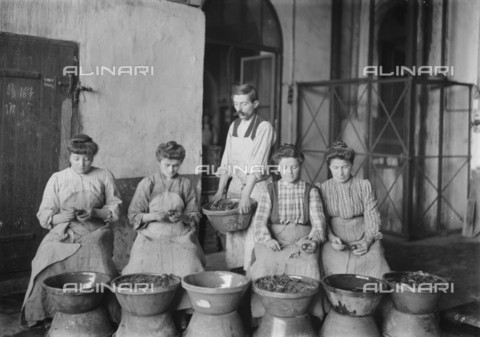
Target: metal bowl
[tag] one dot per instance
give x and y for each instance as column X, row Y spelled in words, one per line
column 229, row 220
column 143, row 299
column 354, row 295
column 215, row 292
column 422, row 299
column 76, row 292
column 287, row 304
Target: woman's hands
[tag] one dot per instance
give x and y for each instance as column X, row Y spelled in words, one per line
column 360, row 247
column 363, row 246
column 81, row 215
column 154, row 217
column 64, row 216
column 307, row 245
column 176, row 216
column 84, row 214
column 172, row 216
column 273, row 245
column 337, row 244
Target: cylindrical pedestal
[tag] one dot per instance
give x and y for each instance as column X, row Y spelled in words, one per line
column 146, row 326
column 227, row 325
column 337, row 325
column 400, row 324
column 93, row 323
column 272, row 326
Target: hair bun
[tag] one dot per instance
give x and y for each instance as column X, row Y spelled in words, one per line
column 339, row 145
column 171, row 145
column 81, row 138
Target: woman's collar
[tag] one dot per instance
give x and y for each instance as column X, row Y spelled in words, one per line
column 289, row 184
column 349, row 180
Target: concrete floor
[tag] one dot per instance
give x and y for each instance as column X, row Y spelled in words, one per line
column 453, row 257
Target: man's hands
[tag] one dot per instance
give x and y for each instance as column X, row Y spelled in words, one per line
column 217, row 197
column 245, row 205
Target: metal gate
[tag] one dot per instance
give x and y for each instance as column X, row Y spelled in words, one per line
column 412, row 138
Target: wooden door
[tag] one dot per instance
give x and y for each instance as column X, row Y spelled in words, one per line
column 33, row 96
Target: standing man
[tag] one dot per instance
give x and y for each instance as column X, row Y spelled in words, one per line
column 245, row 159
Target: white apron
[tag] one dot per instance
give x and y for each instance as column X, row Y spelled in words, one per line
column 240, row 244
column 167, row 248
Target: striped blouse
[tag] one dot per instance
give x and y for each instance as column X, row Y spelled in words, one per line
column 352, row 199
column 290, row 210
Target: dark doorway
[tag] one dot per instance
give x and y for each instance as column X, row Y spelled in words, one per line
column 243, row 44
column 34, row 95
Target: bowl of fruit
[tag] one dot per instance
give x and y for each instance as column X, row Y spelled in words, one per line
column 285, row 295
column 416, row 292
column 224, row 216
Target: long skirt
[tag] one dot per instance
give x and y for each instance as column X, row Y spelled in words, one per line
column 90, row 252
column 179, row 253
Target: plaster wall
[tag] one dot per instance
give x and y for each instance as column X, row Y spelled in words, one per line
column 306, row 28
column 463, row 55
column 128, row 116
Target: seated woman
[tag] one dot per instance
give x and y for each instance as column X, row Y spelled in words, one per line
column 78, row 204
column 353, row 219
column 289, row 217
column 164, row 212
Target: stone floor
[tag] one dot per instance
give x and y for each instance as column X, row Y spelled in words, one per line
column 453, row 257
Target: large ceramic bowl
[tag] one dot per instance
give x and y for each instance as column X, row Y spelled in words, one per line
column 421, row 298
column 354, row 295
column 76, row 292
column 215, row 292
column 228, row 220
column 143, row 297
column 287, row 304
